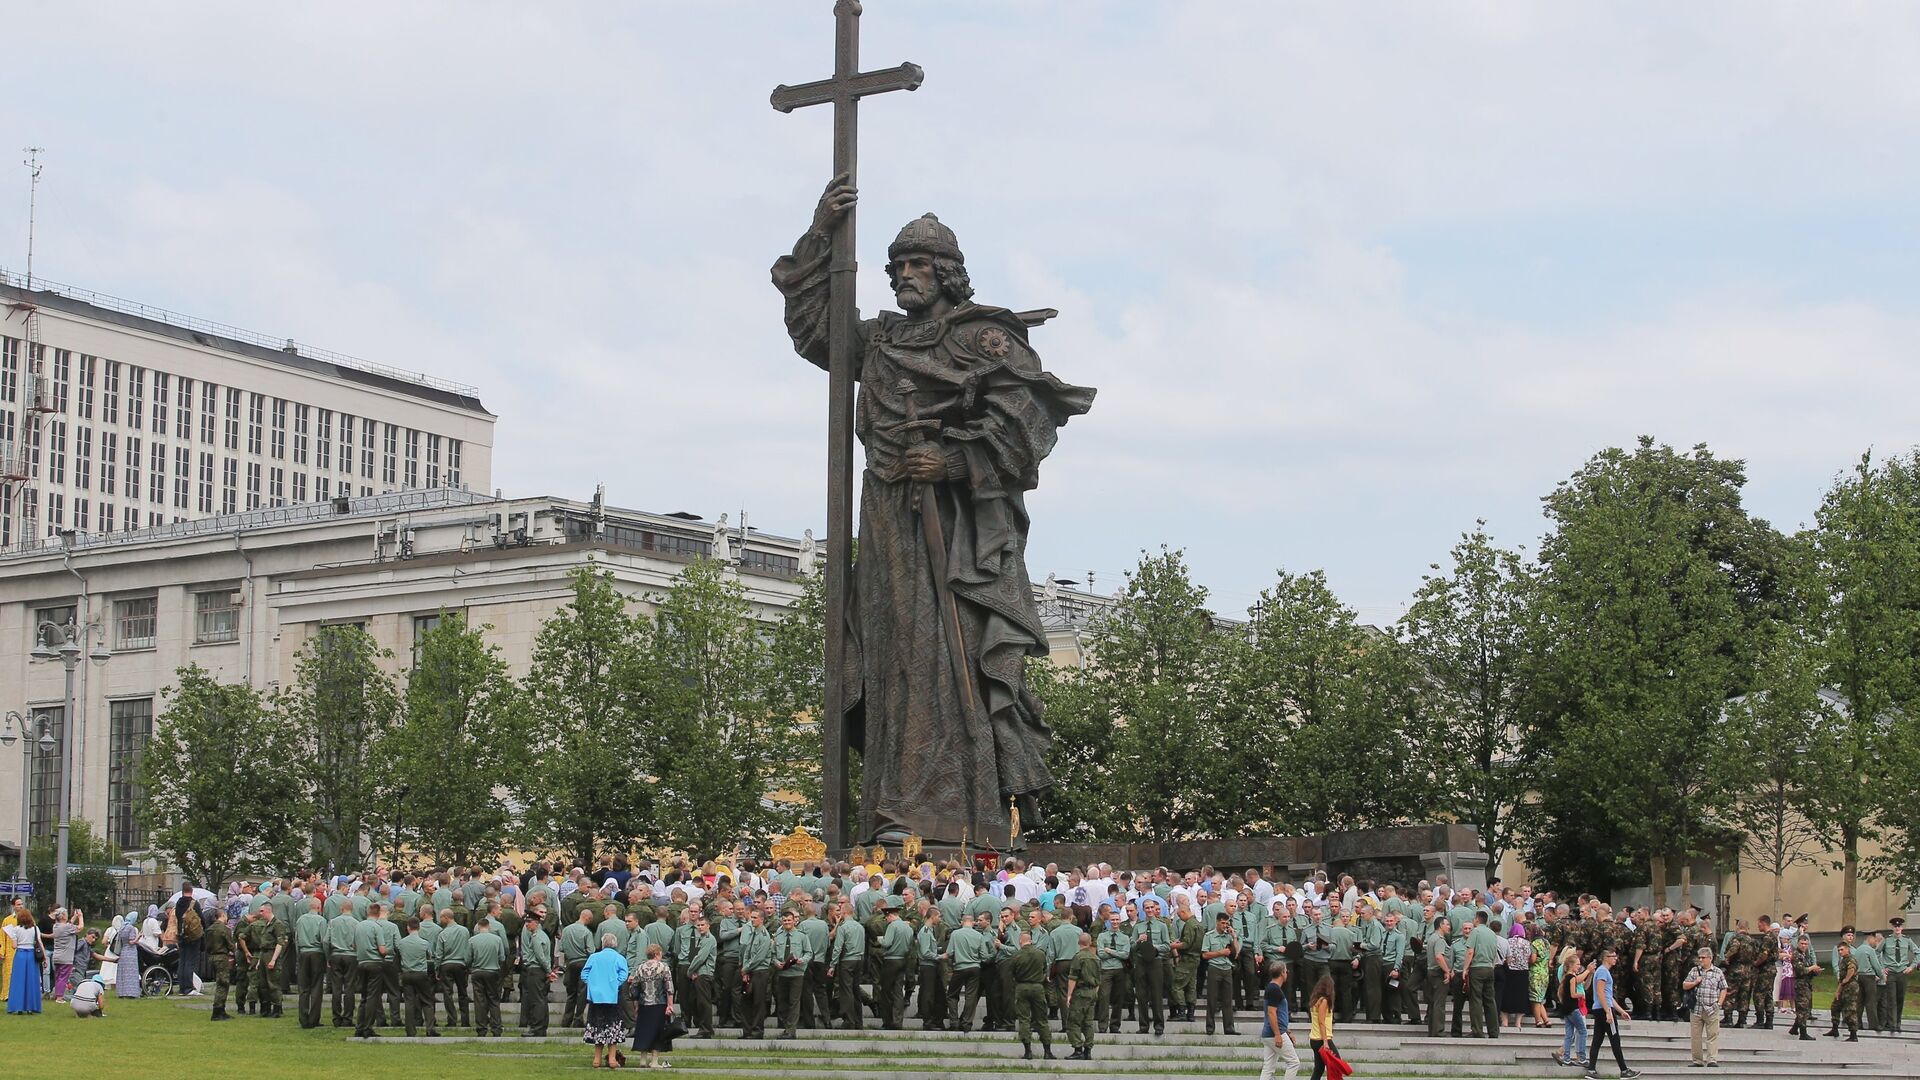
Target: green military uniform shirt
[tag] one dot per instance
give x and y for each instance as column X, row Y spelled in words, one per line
column 536, row 950
column 1084, row 971
column 450, row 945
column 416, row 953
column 487, row 952
column 896, row 943
column 705, row 956
column 849, row 942
column 1340, row 940
column 577, row 943
column 217, row 940
column 1486, row 947
column 1029, row 965
column 367, row 941
column 756, row 949
column 1112, row 948
column 1064, row 941
column 930, row 942
column 310, row 932
column 1214, row 940
column 968, row 947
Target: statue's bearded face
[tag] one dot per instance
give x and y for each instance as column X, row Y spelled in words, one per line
column 916, row 283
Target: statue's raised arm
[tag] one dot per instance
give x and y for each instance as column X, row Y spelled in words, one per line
column 802, row 276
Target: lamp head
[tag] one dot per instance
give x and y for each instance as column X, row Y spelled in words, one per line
column 46, row 742
column 100, row 654
column 44, row 651
column 7, row 736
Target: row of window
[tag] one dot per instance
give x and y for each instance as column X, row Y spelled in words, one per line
column 129, row 730
column 135, row 621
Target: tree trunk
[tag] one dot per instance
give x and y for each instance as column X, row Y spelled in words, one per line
column 1657, row 895
column 1686, row 881
column 1850, row 877
column 1777, row 904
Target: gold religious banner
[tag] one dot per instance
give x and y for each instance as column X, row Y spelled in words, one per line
column 911, row 847
column 877, row 856
column 801, row 846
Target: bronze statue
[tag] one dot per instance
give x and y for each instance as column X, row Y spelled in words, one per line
column 955, row 415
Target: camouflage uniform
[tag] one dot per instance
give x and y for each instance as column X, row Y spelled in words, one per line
column 1650, row 939
column 1803, row 968
column 1739, row 964
column 1846, row 998
column 1766, row 961
column 1675, row 966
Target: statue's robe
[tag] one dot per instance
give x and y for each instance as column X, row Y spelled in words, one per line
column 931, row 766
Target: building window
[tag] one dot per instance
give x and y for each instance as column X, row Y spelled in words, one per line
column 46, row 772
column 133, row 622
column 62, row 379
column 209, row 411
column 769, row 563
column 323, row 441
column 133, row 466
column 136, row 397
column 413, row 458
column 182, row 476
column 110, row 401
column 233, row 419
column 56, row 512
column 346, row 444
column 389, row 454
column 253, row 485
column 648, row 540
column 301, row 415
column 109, row 453
column 321, row 485
column 86, row 386
column 216, row 616
column 59, row 615
column 57, row 452
column 433, row 461
column 299, row 486
column 130, row 518
column 256, row 417
column 183, row 411
column 277, row 487
column 229, row 485
column 106, row 517
column 155, row 519
column 80, row 515
column 129, row 729
column 279, row 427
column 9, row 369
column 366, row 450
column 453, row 463
column 83, row 458
column 157, row 474
column 159, row 403
column 206, row 481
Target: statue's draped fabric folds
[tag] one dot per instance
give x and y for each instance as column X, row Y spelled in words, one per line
column 943, row 751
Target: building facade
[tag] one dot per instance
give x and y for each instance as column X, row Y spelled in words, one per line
column 115, row 416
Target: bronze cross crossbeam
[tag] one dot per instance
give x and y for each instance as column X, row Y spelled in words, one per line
column 843, row 91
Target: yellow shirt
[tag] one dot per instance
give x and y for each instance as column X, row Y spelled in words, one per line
column 1322, row 1012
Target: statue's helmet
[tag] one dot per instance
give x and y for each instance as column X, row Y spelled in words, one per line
column 925, row 233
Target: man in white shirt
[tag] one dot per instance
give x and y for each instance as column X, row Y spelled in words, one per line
column 1262, row 890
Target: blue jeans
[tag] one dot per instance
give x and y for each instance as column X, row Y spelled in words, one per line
column 1573, row 1044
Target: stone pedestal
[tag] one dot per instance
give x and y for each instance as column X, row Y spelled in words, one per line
column 1464, row 869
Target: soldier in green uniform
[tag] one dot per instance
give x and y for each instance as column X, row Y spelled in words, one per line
column 577, row 942
column 1187, row 936
column 1682, row 946
column 486, row 965
column 816, row 999
column 1111, row 949
column 929, row 948
column 1483, row 951
column 310, row 956
column 1218, row 949
column 1343, row 962
column 1316, row 955
column 1804, row 969
column 792, row 951
column 341, row 970
column 450, row 968
column 701, row 965
column 1250, row 929
column 1901, row 959
column 266, row 945
column 966, row 950
column 1649, row 948
column 1061, row 946
column 1873, row 971
column 539, row 970
column 1152, row 967
column 416, row 981
column 1765, row 950
column 372, row 953
column 756, row 975
column 1370, row 936
column 846, row 958
column 1002, row 1005
column 1439, row 977
column 896, row 951
column 1846, row 994
column 1083, row 976
column 1029, row 968
column 726, row 973
column 1395, row 986
column 1736, row 957
column 218, row 943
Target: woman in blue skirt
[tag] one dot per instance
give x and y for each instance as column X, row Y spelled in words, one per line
column 23, row 992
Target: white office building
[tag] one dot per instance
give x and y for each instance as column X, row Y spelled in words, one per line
column 117, row 416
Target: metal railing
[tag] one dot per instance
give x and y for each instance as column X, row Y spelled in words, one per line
column 266, row 517
column 251, row 337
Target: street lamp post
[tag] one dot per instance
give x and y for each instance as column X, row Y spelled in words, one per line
column 68, row 652
column 27, row 727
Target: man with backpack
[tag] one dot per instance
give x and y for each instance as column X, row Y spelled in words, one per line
column 189, row 928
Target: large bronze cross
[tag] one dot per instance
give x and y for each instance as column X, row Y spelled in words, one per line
column 844, row 90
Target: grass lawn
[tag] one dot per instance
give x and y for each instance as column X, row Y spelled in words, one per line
column 156, row 1037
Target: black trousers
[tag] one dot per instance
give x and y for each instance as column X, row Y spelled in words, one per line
column 576, row 995
column 1220, row 996
column 753, row 999
column 313, row 983
column 486, row 1001
column 1346, row 990
column 788, row 990
column 1604, row 1027
column 890, row 990
column 453, row 984
column 964, row 993
column 417, row 986
column 700, row 1004
column 1372, row 986
column 1150, row 990
column 816, row 1007
column 373, row 984
column 726, row 981
column 933, row 995
column 534, row 1004
column 846, row 981
column 341, row 971
column 1116, row 991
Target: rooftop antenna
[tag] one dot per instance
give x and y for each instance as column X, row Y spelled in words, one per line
column 33, row 197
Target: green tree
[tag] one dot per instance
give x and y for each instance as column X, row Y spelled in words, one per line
column 461, row 707
column 1314, row 687
column 589, row 786
column 1157, row 677
column 1866, row 544
column 1774, row 725
column 796, row 674
column 1467, row 630
column 220, row 795
column 1655, row 583
column 721, row 745
column 339, row 707
column 89, row 885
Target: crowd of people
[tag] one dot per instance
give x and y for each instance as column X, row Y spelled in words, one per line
column 650, row 953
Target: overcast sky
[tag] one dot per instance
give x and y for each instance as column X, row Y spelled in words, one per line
column 1348, row 276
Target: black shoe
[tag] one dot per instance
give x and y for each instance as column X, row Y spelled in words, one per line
column 1142, row 1031
column 221, row 1014
column 433, row 1034
column 1159, row 1030
column 1209, row 1029
column 1853, row 1036
column 1028, row 1052
column 789, row 1035
column 1834, row 1034
column 1047, row 1051
column 1230, row 1031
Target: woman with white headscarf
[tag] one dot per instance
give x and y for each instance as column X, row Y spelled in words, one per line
column 126, row 977
column 150, row 929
